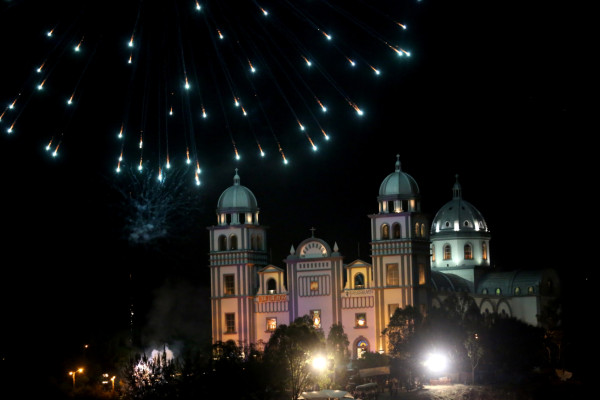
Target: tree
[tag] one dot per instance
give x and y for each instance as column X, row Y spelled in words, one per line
column 289, row 353
column 337, row 349
column 474, row 352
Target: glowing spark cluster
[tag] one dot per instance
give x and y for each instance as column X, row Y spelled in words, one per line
column 155, row 57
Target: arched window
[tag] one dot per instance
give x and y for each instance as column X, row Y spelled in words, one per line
column 385, row 231
column 433, row 252
column 362, row 348
column 468, row 252
column 422, row 230
column 396, row 230
column 233, row 243
column 359, row 281
column 517, row 291
column 530, row 290
column 259, row 242
column 498, row 291
column 253, row 242
column 222, row 243
column 271, row 286
column 484, row 250
column 417, row 229
column 447, row 252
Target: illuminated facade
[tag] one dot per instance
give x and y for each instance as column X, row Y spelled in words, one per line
column 413, row 263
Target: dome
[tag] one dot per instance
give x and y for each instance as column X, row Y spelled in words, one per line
column 237, row 198
column 458, row 215
column 398, row 185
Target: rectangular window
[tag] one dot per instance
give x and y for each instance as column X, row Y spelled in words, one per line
column 392, row 275
column 360, row 320
column 229, row 284
column 271, row 324
column 229, row 322
column 392, row 309
column 422, row 274
column 316, row 318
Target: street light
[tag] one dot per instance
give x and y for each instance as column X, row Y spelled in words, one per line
column 73, row 373
column 436, row 362
column 319, row 363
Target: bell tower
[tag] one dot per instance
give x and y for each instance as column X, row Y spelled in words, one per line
column 237, row 253
column 399, row 249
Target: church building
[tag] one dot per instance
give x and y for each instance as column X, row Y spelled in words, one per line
column 413, row 262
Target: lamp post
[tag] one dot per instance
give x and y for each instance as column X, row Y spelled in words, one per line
column 73, row 373
column 113, row 383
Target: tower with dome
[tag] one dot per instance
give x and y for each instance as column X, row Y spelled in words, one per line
column 413, row 262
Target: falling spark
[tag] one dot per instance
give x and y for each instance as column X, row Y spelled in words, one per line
column 321, row 105
column 187, row 154
column 325, row 134
column 77, row 48
column 326, row 35
column 50, row 32
column 351, row 61
column 377, row 72
column 198, row 170
column 168, row 162
column 120, row 136
column 41, row 85
column 56, row 150
column 197, row 178
column 237, row 155
column 49, row 145
column 308, row 63
column 39, row 70
column 252, row 69
column 140, row 165
column 187, row 84
column 244, row 111
column 220, row 34
column 171, row 111
column 198, row 6
column 131, row 41
column 265, row 12
column 203, row 112
column 70, row 101
column 401, row 25
column 12, row 105
column 160, row 175
column 129, row 61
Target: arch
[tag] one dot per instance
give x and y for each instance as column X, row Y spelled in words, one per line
column 396, row 230
column 360, row 347
column 484, row 253
column 487, row 307
column 222, row 243
column 259, row 242
column 271, row 286
column 422, row 230
column 233, row 242
column 417, row 229
column 468, row 252
column 447, row 252
column 359, row 281
column 503, row 309
column 385, row 231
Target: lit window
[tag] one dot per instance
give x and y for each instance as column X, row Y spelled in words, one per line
column 447, row 252
column 432, row 252
column 233, row 245
column 228, row 284
column 314, row 286
column 229, row 323
column 498, row 291
column 422, row 274
column 417, row 229
column 468, row 252
column 484, row 291
column 422, row 230
column 517, row 291
column 271, row 324
column 530, row 290
column 385, row 231
column 360, row 320
column 316, row 318
column 484, row 250
column 392, row 275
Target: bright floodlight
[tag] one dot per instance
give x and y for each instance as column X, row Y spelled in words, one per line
column 436, row 362
column 319, row 363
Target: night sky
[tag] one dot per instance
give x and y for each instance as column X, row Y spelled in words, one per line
column 493, row 92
